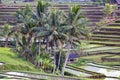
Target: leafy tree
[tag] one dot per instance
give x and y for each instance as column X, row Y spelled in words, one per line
column 114, row 9
column 107, row 9
column 23, row 34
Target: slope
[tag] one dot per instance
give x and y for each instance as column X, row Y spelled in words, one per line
column 11, row 61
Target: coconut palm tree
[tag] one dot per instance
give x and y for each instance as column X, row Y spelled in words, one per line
column 23, row 34
column 53, row 26
column 76, row 22
column 53, row 31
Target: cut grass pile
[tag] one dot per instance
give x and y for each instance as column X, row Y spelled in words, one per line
column 13, row 62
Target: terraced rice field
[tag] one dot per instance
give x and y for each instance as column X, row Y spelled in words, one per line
column 92, row 12
column 107, row 37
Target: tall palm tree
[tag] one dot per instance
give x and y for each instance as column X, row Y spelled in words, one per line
column 54, row 26
column 53, row 31
column 23, row 33
column 76, row 22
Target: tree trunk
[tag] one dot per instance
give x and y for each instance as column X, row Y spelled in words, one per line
column 58, row 66
column 54, row 64
column 66, row 58
column 6, row 42
column 59, row 44
column 39, row 52
column 47, row 45
column 54, row 59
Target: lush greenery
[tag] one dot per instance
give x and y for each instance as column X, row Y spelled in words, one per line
column 109, row 9
column 41, row 35
column 13, row 62
column 98, row 59
column 45, row 37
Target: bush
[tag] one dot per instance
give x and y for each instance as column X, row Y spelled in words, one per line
column 80, row 62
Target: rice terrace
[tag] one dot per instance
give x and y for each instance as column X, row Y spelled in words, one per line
column 59, row 39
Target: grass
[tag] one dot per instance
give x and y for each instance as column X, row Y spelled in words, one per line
column 103, row 38
column 116, row 56
column 103, row 49
column 92, row 46
column 109, row 27
column 105, row 42
column 97, row 59
column 101, row 35
column 115, row 51
column 80, row 69
column 91, row 79
column 111, row 64
column 13, row 62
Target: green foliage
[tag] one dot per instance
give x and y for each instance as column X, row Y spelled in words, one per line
column 55, row 27
column 12, row 62
column 107, row 9
column 80, row 62
column 4, row 30
column 41, row 7
column 44, row 62
column 114, row 7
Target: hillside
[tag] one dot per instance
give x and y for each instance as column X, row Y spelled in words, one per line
column 13, row 62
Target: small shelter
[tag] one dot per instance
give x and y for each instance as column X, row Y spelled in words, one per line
column 73, row 56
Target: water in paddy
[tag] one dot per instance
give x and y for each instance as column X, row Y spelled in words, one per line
column 90, row 67
column 98, row 69
column 1, row 63
column 24, row 74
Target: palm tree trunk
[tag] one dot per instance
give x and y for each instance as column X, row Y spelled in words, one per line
column 39, row 48
column 39, row 52
column 66, row 58
column 58, row 66
column 54, row 59
column 6, row 42
column 47, row 45
column 54, row 64
column 59, row 43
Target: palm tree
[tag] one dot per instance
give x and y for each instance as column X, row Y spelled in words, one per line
column 76, row 22
column 53, row 26
column 23, row 34
column 57, row 35
column 53, row 31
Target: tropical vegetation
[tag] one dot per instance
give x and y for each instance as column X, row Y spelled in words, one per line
column 46, row 33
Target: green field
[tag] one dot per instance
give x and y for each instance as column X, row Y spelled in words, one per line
column 13, row 62
column 97, row 59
